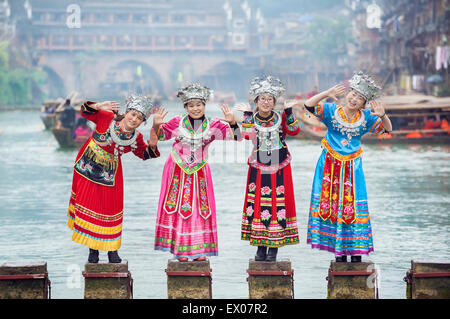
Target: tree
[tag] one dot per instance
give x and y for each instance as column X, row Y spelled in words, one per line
column 328, row 36
column 16, row 85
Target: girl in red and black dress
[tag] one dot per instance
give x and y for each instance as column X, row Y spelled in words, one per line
column 96, row 203
column 269, row 215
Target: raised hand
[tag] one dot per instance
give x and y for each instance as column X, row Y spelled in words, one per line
column 377, row 108
column 153, row 140
column 291, row 103
column 158, row 117
column 228, row 113
column 243, row 107
column 335, row 92
column 108, row 106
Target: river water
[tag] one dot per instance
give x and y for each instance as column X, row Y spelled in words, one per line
column 408, row 189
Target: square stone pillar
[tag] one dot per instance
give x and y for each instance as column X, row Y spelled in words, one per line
column 348, row 280
column 24, row 281
column 270, row 279
column 189, row 279
column 428, row 280
column 107, row 281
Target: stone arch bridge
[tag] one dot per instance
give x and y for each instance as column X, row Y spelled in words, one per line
column 97, row 75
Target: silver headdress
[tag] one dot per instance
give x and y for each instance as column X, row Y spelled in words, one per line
column 270, row 85
column 194, row 91
column 365, row 85
column 139, row 103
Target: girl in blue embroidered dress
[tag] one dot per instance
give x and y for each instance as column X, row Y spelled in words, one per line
column 339, row 219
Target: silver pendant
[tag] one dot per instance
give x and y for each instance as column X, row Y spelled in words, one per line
column 191, row 159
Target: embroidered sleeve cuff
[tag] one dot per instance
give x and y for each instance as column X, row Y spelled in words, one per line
column 160, row 134
column 380, row 129
column 288, row 111
column 377, row 128
column 150, row 153
column 236, row 131
column 248, row 119
column 87, row 108
column 309, row 108
column 318, row 111
column 291, row 120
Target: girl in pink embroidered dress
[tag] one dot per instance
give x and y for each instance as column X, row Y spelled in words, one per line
column 186, row 220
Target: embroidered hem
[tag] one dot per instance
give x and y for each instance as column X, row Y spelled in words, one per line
column 338, row 156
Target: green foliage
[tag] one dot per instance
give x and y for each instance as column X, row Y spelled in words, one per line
column 4, row 56
column 328, row 36
column 16, row 84
column 328, row 25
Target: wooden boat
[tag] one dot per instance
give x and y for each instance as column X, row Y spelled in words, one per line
column 51, row 109
column 48, row 115
column 64, row 137
column 409, row 116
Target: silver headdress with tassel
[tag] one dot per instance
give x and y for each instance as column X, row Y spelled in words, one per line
column 365, row 85
column 270, row 85
column 139, row 103
column 194, row 91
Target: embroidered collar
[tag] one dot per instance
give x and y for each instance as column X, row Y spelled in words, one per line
column 121, row 133
column 191, row 139
column 344, row 117
column 262, row 119
column 186, row 129
column 187, row 121
column 270, row 124
column 343, row 121
column 348, row 129
column 119, row 137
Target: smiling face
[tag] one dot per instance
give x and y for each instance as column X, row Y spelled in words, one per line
column 132, row 120
column 195, row 108
column 265, row 103
column 354, row 101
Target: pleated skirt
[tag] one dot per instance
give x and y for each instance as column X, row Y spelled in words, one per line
column 337, row 236
column 95, row 213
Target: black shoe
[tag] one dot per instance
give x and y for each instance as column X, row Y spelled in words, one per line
column 341, row 259
column 93, row 256
column 261, row 253
column 113, row 257
column 272, row 254
column 355, row 259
